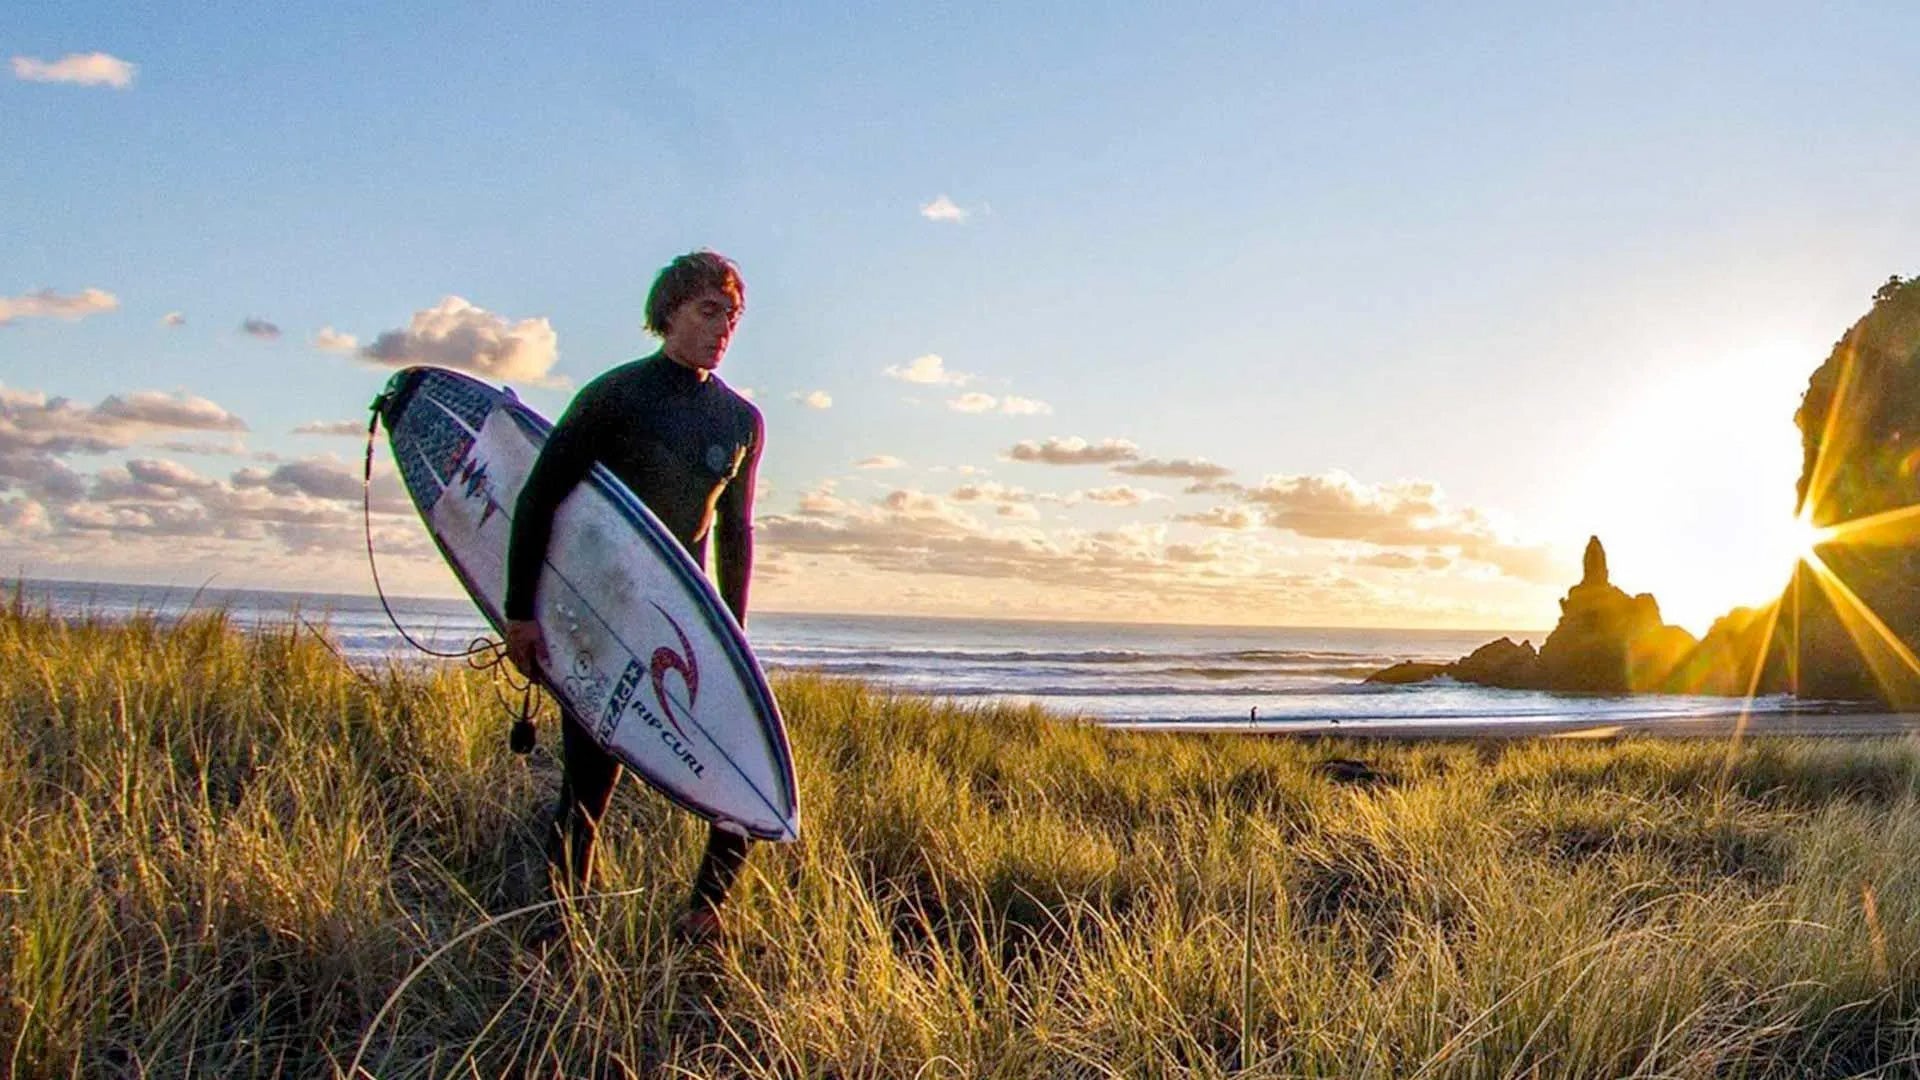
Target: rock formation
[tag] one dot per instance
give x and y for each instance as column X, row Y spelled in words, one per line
column 1606, row 642
column 1860, row 444
column 1609, row 642
column 1860, row 453
column 1499, row 663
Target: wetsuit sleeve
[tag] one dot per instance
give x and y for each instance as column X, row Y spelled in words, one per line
column 571, row 450
column 733, row 531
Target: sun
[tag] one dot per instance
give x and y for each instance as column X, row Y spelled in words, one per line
column 1775, row 549
column 1803, row 536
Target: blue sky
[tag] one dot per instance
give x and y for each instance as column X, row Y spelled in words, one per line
column 1446, row 291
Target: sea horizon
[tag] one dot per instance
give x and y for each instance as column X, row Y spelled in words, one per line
column 1127, row 674
column 210, row 589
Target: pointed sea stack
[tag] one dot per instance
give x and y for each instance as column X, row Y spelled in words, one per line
column 1606, row 642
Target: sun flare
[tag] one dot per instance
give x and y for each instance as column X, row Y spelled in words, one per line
column 1803, row 536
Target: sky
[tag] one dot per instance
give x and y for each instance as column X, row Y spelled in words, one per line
column 1281, row 314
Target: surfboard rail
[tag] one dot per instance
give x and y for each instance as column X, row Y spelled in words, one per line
column 644, row 653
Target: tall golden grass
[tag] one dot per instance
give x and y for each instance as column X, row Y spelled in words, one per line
column 226, row 853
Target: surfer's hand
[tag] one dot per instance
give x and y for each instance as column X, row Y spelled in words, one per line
column 526, row 646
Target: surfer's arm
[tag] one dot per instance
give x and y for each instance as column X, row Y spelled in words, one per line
column 733, row 529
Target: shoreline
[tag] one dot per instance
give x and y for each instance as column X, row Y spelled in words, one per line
column 1828, row 724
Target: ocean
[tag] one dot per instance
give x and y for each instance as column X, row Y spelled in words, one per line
column 1124, row 674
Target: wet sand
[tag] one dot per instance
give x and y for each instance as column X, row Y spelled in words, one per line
column 1811, row 724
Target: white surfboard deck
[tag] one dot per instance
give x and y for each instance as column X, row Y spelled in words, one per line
column 640, row 647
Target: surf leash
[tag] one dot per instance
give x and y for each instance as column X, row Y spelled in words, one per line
column 482, row 653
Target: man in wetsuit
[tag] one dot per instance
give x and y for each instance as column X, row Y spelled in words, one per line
column 688, row 446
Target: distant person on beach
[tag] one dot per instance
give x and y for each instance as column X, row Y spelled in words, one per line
column 688, row 446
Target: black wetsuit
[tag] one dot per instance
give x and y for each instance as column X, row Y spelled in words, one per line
column 688, row 447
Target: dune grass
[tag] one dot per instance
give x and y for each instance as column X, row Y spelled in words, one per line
column 225, row 853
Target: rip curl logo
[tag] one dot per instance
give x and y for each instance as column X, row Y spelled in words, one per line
column 665, row 660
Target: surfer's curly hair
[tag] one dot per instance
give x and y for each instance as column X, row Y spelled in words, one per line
column 687, row 277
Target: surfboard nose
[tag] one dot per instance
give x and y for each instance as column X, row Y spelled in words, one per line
column 399, row 390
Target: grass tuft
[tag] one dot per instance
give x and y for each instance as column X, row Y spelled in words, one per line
column 225, row 852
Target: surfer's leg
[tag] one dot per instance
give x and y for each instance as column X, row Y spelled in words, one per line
column 587, row 779
column 726, row 853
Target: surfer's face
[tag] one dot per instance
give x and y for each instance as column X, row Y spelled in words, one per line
column 700, row 329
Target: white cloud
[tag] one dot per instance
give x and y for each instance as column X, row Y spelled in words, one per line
column 331, row 340
column 973, row 402
column 976, row 402
column 1118, row 495
column 879, row 461
column 47, row 304
column 147, row 480
column 77, row 69
column 1074, row 450
column 173, row 318
column 165, row 473
column 1335, row 506
column 1223, row 517
column 296, row 526
column 298, row 506
column 34, row 423
column 923, row 537
column 24, row 518
column 261, row 329
column 815, row 399
column 180, row 411
column 232, row 447
column 324, row 477
column 354, row 428
column 822, row 502
column 41, row 475
column 1197, row 469
column 455, row 334
column 990, row 492
column 943, row 209
column 928, row 370
column 1386, row 560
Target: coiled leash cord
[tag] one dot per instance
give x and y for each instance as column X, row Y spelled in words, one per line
column 482, row 653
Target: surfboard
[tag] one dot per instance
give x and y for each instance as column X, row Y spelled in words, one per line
column 641, row 649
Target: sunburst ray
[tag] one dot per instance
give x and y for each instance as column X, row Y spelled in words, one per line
column 1836, row 438
column 1889, row 528
column 1761, row 651
column 1892, row 664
